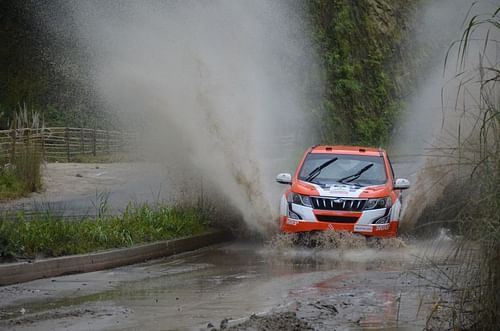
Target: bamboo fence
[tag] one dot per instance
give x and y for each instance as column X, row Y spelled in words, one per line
column 63, row 143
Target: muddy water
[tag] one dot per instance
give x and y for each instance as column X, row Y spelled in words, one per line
column 353, row 289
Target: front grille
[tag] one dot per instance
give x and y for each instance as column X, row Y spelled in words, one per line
column 336, row 219
column 338, row 204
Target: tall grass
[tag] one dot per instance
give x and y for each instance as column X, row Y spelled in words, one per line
column 27, row 167
column 28, row 160
column 470, row 297
column 482, row 225
column 23, row 174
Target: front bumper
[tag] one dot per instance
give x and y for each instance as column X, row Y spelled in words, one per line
column 376, row 230
column 358, row 222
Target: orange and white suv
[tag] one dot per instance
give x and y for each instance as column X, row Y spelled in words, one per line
column 342, row 188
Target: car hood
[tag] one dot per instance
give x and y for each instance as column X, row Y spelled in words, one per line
column 340, row 190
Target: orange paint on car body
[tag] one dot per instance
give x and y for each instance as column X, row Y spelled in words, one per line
column 342, row 188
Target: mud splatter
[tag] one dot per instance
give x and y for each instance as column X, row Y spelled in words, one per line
column 340, row 240
column 282, row 241
column 381, row 243
column 325, row 240
column 212, row 85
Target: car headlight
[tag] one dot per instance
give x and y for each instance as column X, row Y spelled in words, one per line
column 378, row 203
column 294, row 215
column 299, row 199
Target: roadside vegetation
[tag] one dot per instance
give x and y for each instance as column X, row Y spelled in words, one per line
column 11, row 186
column 22, row 175
column 49, row 236
column 470, row 291
column 477, row 302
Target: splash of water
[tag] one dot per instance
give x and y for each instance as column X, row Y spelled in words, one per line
column 218, row 87
column 328, row 240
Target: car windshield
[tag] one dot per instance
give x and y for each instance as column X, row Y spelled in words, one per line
column 354, row 169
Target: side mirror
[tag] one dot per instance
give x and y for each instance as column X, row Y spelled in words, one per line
column 401, row 184
column 284, row 178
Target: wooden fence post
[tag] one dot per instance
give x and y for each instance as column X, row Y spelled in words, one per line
column 82, row 143
column 66, row 134
column 42, row 130
column 13, row 147
column 94, row 140
column 107, row 142
column 27, row 133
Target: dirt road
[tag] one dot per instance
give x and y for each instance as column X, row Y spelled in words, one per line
column 218, row 287
column 78, row 189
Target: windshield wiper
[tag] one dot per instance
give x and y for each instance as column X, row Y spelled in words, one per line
column 355, row 176
column 316, row 171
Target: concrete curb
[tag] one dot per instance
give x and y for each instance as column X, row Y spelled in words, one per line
column 19, row 272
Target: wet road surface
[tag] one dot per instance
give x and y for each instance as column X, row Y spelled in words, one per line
column 353, row 289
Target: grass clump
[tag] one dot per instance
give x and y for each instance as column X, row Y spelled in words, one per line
column 27, row 168
column 11, row 187
column 22, row 175
column 48, row 236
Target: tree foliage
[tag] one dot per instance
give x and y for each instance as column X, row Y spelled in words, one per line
column 361, row 44
column 42, row 67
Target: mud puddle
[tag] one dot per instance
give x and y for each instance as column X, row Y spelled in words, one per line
column 242, row 286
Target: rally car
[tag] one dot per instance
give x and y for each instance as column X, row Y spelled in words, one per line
column 342, row 188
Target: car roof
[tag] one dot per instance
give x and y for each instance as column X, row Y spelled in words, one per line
column 355, row 150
